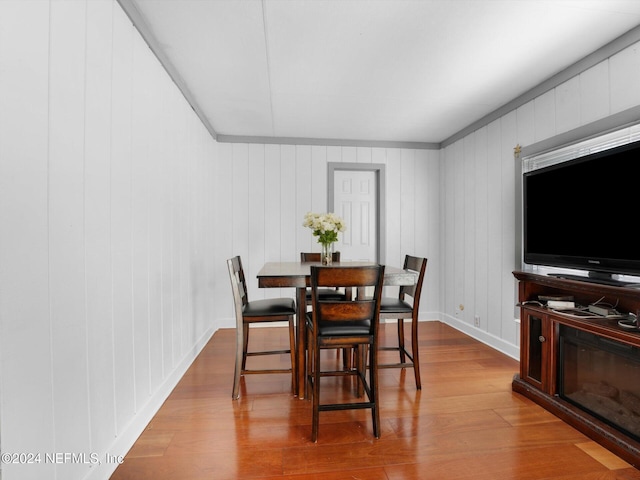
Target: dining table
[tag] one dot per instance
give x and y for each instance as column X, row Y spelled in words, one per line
column 297, row 275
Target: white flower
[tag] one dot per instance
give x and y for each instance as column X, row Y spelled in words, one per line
column 325, row 226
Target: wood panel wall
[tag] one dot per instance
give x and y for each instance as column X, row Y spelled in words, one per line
column 264, row 191
column 479, row 188
column 106, row 227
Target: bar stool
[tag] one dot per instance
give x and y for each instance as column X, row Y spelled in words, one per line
column 345, row 324
column 257, row 311
column 398, row 308
column 313, row 257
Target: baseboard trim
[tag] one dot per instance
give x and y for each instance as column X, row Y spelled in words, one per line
column 487, row 338
column 123, row 443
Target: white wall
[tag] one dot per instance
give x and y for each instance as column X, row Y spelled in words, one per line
column 479, row 192
column 264, row 191
column 106, row 235
column 118, row 211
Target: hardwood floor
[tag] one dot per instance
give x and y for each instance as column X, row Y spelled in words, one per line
column 466, row 423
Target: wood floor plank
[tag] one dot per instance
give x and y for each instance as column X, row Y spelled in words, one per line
column 515, row 464
column 603, row 455
column 526, row 414
column 466, row 423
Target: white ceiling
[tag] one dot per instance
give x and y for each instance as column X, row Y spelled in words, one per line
column 368, row 70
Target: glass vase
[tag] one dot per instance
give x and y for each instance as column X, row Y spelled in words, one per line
column 326, row 255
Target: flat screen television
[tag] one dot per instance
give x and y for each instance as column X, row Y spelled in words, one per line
column 583, row 214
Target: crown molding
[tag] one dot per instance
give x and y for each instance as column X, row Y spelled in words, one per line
column 327, row 142
column 625, row 40
column 140, row 24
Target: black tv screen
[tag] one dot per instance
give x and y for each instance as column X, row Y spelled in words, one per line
column 582, row 213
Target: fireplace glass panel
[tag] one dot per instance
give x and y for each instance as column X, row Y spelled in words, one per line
column 601, row 377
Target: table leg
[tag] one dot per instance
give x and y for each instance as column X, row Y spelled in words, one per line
column 301, row 341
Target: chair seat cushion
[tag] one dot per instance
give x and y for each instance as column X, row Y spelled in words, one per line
column 336, row 329
column 394, row 305
column 270, row 306
column 342, row 328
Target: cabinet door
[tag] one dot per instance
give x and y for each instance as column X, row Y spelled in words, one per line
column 536, row 348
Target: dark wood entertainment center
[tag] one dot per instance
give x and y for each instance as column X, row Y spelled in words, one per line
column 540, row 350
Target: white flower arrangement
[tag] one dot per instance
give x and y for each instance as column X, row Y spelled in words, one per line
column 325, row 226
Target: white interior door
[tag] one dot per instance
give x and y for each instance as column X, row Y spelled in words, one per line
column 355, row 200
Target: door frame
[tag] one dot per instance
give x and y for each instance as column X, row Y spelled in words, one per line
column 379, row 170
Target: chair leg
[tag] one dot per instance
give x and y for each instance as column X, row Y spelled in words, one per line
column 401, row 340
column 245, row 345
column 240, row 358
column 348, row 361
column 316, row 393
column 414, row 351
column 308, row 365
column 373, row 386
column 361, row 368
column 292, row 347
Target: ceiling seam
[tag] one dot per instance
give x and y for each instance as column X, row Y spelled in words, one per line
column 268, row 59
column 128, row 6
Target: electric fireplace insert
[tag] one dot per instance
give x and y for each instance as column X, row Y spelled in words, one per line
column 602, row 377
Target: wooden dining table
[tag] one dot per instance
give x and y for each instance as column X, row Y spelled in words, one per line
column 297, row 275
